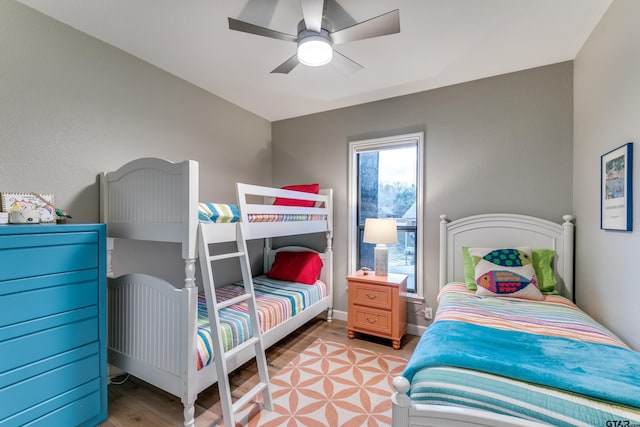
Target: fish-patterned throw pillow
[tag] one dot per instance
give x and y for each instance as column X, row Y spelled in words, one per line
column 505, row 272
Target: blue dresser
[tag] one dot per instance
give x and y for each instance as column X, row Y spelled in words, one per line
column 53, row 365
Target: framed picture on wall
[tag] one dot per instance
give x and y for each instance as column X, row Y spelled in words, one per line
column 616, row 168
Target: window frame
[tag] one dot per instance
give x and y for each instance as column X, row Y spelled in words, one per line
column 376, row 144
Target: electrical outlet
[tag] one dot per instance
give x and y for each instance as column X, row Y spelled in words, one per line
column 428, row 313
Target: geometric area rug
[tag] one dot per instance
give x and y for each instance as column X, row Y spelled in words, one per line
column 329, row 384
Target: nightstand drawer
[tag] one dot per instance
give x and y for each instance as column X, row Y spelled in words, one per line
column 372, row 320
column 372, row 295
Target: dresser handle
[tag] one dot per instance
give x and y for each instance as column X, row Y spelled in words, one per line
column 372, row 296
column 372, row 319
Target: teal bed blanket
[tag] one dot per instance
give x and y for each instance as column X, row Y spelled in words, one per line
column 599, row 371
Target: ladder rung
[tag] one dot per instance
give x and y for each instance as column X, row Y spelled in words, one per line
column 229, row 354
column 226, row 256
column 258, row 388
column 234, row 300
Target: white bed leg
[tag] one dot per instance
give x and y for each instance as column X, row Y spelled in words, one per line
column 190, row 283
column 400, row 402
column 110, row 244
column 189, row 414
column 189, row 272
column 329, row 272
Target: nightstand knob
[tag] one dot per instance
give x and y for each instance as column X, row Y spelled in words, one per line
column 372, row 296
column 372, row 319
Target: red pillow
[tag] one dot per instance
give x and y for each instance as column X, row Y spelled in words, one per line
column 302, row 267
column 305, row 188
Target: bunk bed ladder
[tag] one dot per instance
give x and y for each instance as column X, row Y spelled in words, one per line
column 229, row 408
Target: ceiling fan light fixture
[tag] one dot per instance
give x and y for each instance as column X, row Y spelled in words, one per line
column 315, row 50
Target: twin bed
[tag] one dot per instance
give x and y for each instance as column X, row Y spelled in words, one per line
column 525, row 359
column 159, row 331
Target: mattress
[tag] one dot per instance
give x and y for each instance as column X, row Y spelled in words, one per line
column 285, row 217
column 277, row 301
column 225, row 212
column 486, row 389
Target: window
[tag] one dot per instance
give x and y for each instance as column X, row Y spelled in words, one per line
column 386, row 181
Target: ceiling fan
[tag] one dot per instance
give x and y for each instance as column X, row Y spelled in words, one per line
column 325, row 24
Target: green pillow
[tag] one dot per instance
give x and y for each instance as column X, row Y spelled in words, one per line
column 469, row 272
column 542, row 264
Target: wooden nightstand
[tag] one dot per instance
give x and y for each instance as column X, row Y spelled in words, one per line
column 378, row 305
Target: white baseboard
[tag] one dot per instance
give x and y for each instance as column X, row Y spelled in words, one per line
column 340, row 315
column 416, row 329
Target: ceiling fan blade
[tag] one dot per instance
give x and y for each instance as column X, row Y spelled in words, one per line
column 287, row 65
column 312, row 12
column 246, row 27
column 388, row 23
column 259, row 12
column 344, row 64
column 338, row 17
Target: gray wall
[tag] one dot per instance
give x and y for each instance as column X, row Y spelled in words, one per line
column 502, row 144
column 72, row 106
column 607, row 115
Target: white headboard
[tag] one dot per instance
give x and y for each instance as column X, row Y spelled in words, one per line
column 507, row 230
column 152, row 199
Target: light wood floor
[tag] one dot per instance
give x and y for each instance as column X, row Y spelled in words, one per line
column 135, row 403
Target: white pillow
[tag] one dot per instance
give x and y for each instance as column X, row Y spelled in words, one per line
column 505, row 272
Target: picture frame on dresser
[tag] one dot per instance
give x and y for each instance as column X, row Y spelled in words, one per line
column 42, row 202
column 616, row 169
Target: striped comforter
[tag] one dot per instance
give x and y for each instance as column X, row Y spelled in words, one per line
column 555, row 317
column 277, row 301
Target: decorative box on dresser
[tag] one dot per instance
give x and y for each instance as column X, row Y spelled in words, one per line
column 377, row 305
column 53, row 366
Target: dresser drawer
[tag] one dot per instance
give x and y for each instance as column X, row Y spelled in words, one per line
column 42, row 297
column 371, row 320
column 371, row 295
column 47, row 253
column 51, row 390
column 83, row 411
column 37, row 347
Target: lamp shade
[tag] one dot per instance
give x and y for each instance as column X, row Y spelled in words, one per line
column 380, row 230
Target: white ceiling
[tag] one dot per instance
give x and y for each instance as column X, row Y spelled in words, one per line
column 442, row 42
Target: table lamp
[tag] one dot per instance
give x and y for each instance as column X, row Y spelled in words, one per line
column 381, row 231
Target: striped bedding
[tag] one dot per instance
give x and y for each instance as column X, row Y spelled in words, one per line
column 224, row 212
column 556, row 316
column 285, row 217
column 218, row 212
column 277, row 301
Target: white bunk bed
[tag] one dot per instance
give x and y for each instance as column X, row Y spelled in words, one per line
column 451, row 393
column 152, row 324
